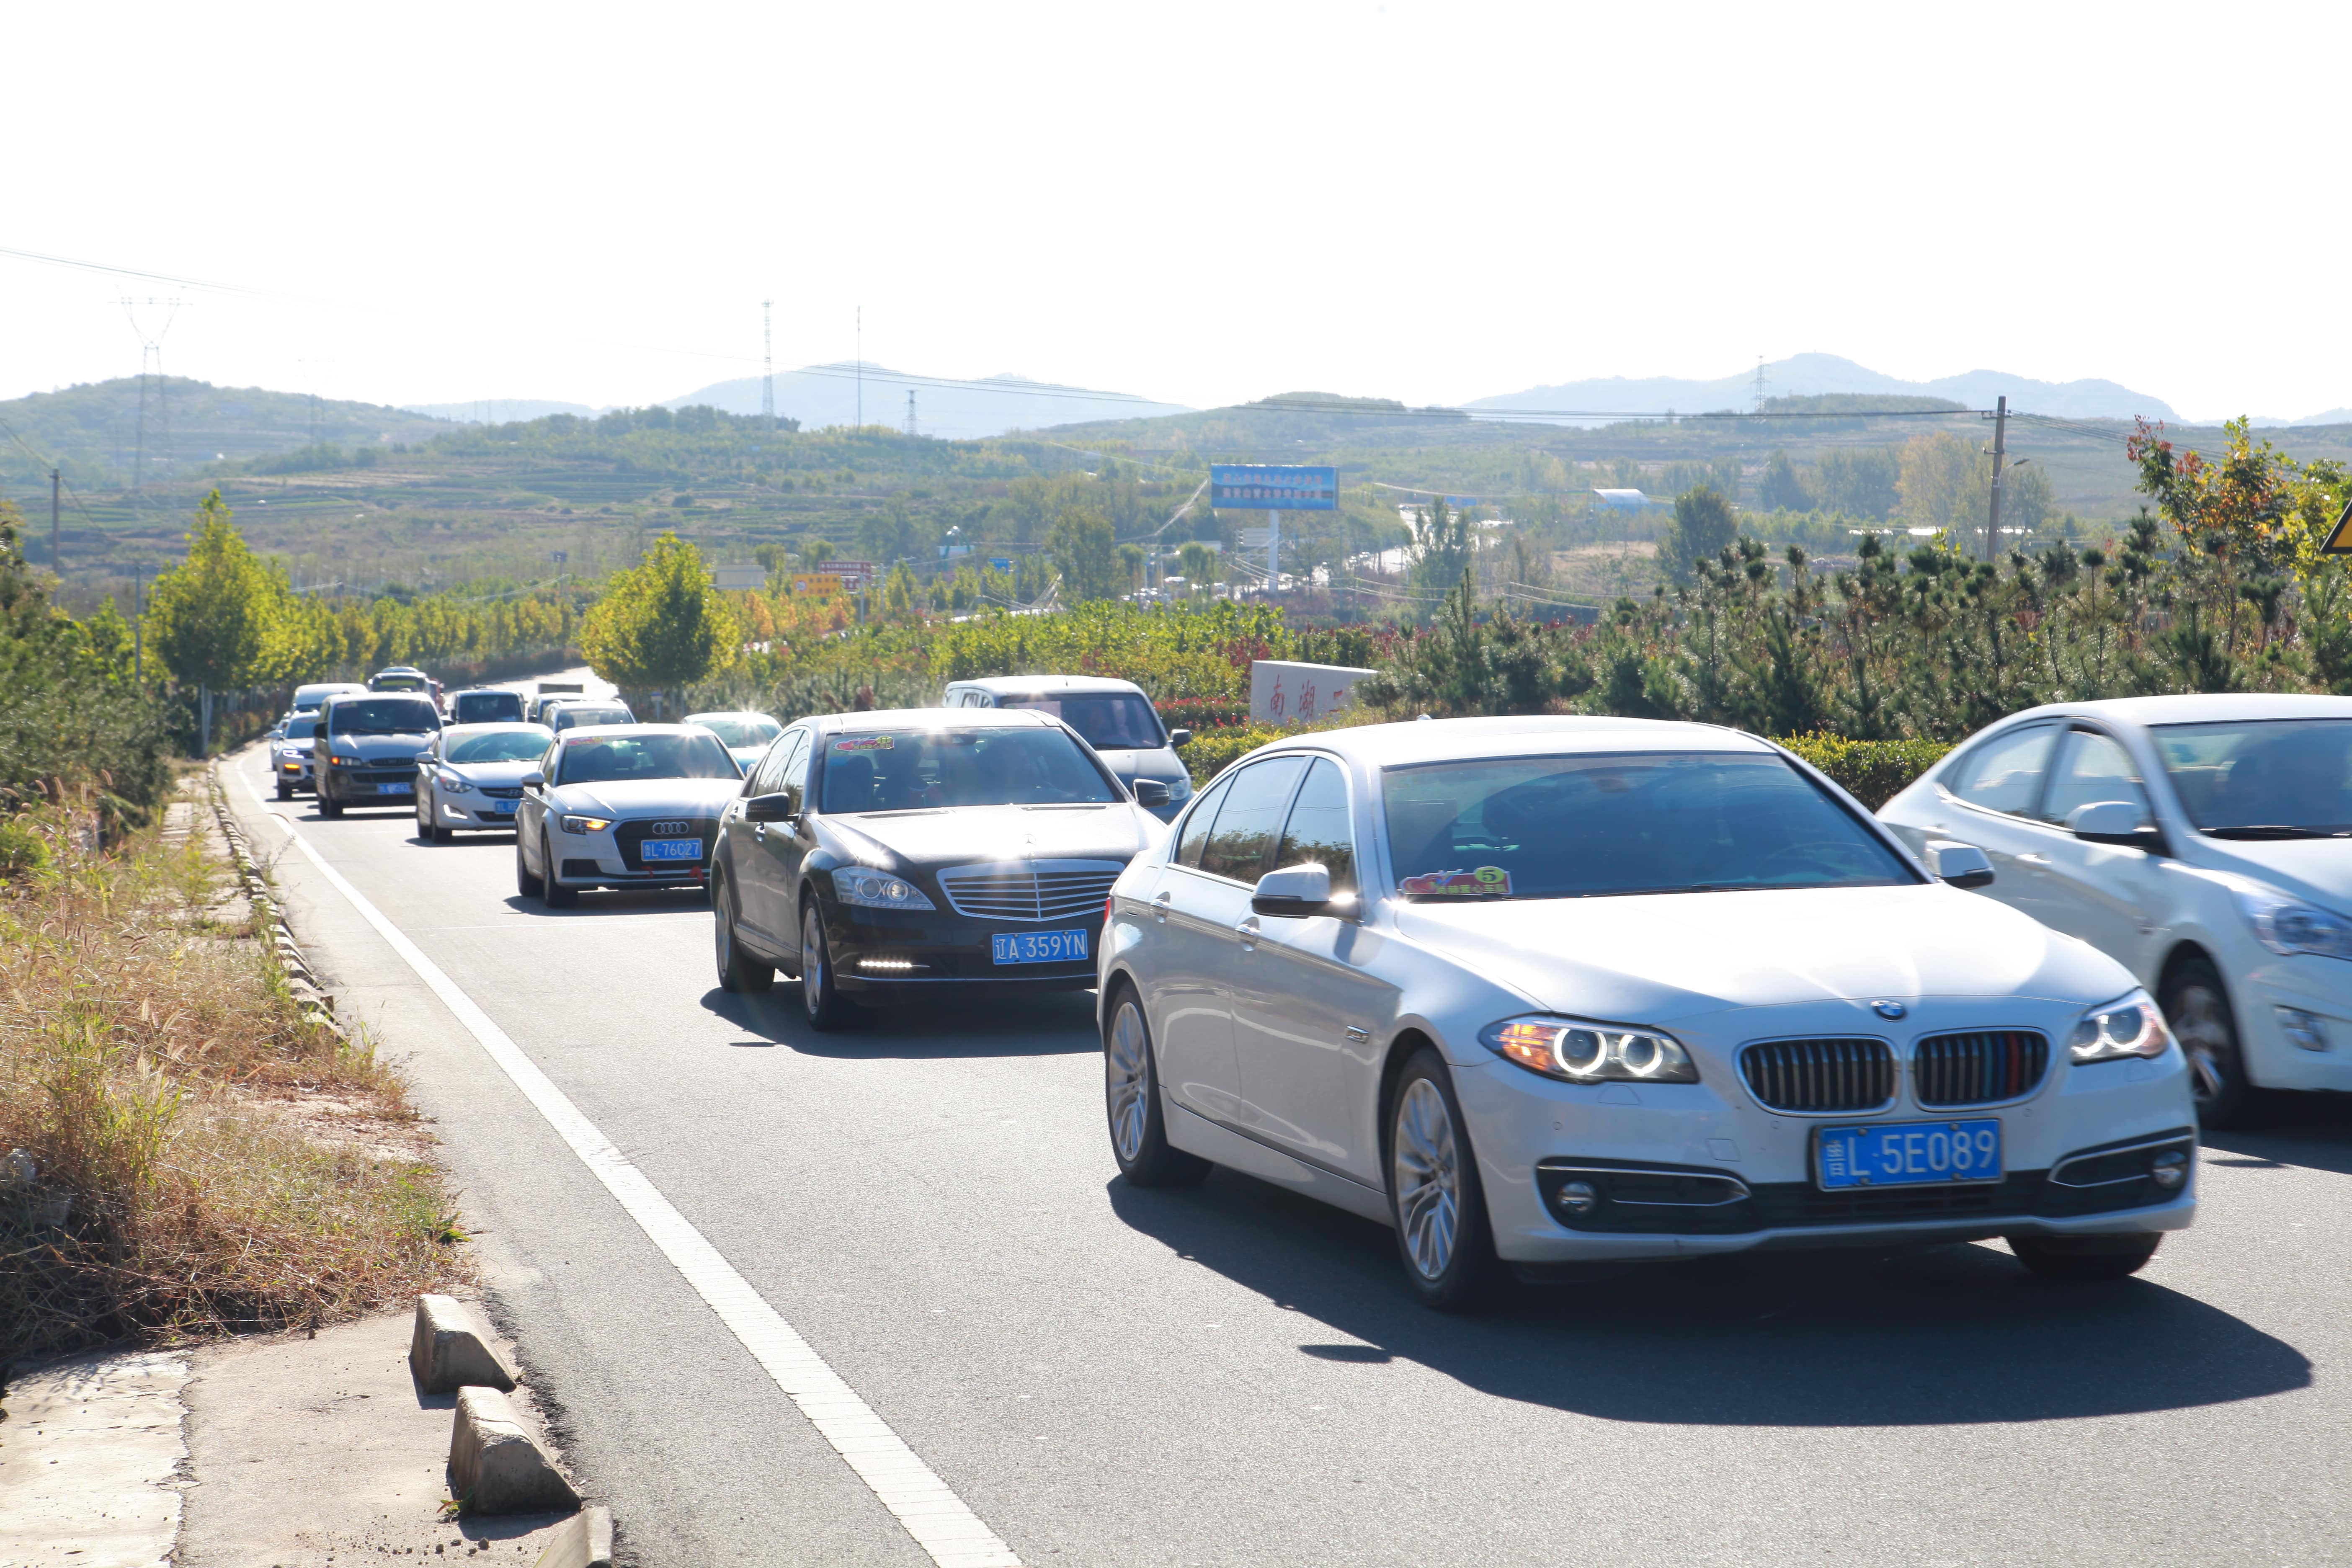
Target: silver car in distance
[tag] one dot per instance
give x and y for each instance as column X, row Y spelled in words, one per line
column 1541, row 992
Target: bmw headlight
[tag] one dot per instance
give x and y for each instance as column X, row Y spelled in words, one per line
column 586, row 824
column 2285, row 926
column 871, row 890
column 1589, row 1053
column 2131, row 1028
column 452, row 782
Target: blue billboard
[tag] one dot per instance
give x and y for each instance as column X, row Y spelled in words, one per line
column 1273, row 487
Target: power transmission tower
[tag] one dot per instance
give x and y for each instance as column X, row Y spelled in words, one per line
column 910, row 413
column 1760, row 383
column 767, row 368
column 152, row 389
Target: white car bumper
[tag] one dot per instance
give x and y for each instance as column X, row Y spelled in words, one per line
column 2318, row 988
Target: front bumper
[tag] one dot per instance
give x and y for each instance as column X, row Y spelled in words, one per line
column 473, row 812
column 1729, row 1176
column 2321, row 987
column 880, row 952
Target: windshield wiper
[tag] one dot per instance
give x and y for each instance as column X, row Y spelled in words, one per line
column 2274, row 830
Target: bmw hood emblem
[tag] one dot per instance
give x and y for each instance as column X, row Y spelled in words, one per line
column 1888, row 1009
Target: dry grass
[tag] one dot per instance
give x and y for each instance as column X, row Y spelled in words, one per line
column 149, row 1058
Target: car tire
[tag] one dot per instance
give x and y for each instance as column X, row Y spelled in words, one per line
column 827, row 1008
column 2197, row 1010
column 2085, row 1259
column 551, row 892
column 738, row 969
column 525, row 883
column 285, row 792
column 1438, row 1205
column 329, row 809
column 1139, row 1129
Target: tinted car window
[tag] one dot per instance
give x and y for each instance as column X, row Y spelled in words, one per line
column 498, row 746
column 1318, row 832
column 581, row 716
column 1110, row 720
column 1250, row 820
column 302, row 727
column 382, row 716
column 796, row 772
column 745, row 732
column 2270, row 773
column 930, row 770
column 2004, row 773
column 1587, row 825
column 1196, row 826
column 485, row 708
column 608, row 758
column 2092, row 768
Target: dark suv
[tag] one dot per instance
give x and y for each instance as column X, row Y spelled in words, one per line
column 365, row 754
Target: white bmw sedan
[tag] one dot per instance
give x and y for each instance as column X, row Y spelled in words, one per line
column 1550, row 991
column 2204, row 842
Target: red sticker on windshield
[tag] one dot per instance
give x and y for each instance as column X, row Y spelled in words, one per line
column 1487, row 881
column 866, row 743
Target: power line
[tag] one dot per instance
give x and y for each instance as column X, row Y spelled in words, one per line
column 133, row 272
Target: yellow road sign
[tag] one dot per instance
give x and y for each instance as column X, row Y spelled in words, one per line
column 2339, row 538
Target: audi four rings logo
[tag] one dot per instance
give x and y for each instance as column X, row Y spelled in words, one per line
column 672, row 827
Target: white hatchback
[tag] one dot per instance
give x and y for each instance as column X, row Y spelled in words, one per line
column 1549, row 992
column 2204, row 842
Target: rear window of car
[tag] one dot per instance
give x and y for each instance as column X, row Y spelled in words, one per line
column 942, row 769
column 610, row 759
column 1649, row 822
column 383, row 716
column 741, row 729
column 580, row 715
column 486, row 706
column 1110, row 720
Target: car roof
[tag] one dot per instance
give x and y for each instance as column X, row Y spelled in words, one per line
column 1038, row 685
column 2203, row 708
column 934, row 719
column 1404, row 743
column 487, row 691
column 492, row 726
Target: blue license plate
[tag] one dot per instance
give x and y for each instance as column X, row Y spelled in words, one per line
column 1039, row 946
column 1908, row 1153
column 670, row 850
column 395, row 789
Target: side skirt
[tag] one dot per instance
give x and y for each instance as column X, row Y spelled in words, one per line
column 1197, row 1134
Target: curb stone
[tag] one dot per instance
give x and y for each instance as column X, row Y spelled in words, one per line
column 584, row 1540
column 451, row 1349
column 496, row 1466
column 318, row 1004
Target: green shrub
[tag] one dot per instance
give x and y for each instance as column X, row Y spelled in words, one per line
column 1873, row 772
column 23, row 851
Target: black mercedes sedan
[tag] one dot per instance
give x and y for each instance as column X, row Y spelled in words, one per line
column 882, row 856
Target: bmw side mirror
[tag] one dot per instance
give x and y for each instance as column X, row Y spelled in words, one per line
column 534, row 780
column 1296, row 890
column 1961, row 865
column 2113, row 822
column 1179, row 737
column 1150, row 792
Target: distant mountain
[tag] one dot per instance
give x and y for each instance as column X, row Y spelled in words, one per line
column 92, row 430
column 1813, row 375
column 498, row 410
column 822, row 394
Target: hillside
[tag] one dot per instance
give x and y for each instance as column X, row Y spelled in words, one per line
column 91, row 431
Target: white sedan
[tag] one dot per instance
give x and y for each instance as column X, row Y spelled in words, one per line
column 1550, row 991
column 622, row 806
column 2204, row 842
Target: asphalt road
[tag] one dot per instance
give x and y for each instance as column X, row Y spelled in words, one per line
column 1232, row 1375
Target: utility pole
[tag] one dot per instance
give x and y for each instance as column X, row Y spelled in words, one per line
column 57, row 560
column 910, row 413
column 1999, row 464
column 138, row 632
column 861, row 367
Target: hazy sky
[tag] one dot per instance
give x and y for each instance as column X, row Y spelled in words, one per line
column 1427, row 201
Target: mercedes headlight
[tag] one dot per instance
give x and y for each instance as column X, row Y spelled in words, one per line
column 1589, row 1053
column 586, row 824
column 2131, row 1028
column 452, row 782
column 871, row 890
column 2285, row 926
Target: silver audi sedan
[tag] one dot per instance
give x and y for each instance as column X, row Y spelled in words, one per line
column 1544, row 992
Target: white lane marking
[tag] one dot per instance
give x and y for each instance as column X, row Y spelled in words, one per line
column 940, row 1522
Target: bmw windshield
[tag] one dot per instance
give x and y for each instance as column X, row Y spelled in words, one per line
column 1588, row 825
column 2271, row 778
column 942, row 769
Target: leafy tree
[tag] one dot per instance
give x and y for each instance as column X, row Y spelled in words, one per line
column 1865, row 483
column 1703, row 528
column 1198, row 565
column 1782, row 489
column 211, row 618
column 661, row 625
column 1443, row 546
column 1086, row 551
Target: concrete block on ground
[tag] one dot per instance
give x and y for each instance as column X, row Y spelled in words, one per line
column 584, row 1540
column 496, row 1466
column 452, row 1348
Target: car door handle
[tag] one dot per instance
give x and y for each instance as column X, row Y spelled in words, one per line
column 1160, row 902
column 760, row 832
column 1248, row 932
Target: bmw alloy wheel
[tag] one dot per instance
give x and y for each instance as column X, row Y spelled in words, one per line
column 1428, row 1178
column 1127, row 1082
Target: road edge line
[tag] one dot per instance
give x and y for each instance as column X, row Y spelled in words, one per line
column 925, row 1506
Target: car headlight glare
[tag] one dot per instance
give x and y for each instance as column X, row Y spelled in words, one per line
column 2131, row 1028
column 1589, row 1053
column 452, row 782
column 586, row 824
column 871, row 890
column 2287, row 927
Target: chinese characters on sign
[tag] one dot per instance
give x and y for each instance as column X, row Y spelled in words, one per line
column 1273, row 487
column 1284, row 692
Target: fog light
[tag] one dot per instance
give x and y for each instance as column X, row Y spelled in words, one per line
column 1578, row 1197
column 2169, row 1169
column 2302, row 1028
